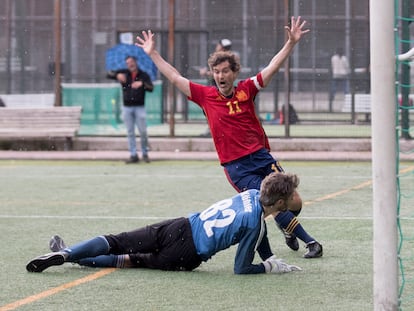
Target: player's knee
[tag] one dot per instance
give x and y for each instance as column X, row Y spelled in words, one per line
column 295, row 205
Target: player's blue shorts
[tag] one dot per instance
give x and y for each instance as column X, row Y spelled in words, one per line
column 249, row 171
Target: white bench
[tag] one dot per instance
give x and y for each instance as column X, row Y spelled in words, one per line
column 362, row 103
column 37, row 123
column 28, row 100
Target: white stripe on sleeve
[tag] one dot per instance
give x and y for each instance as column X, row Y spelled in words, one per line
column 256, row 82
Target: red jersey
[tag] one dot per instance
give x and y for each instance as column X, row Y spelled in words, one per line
column 234, row 125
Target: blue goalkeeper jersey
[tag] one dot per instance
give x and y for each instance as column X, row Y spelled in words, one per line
column 237, row 220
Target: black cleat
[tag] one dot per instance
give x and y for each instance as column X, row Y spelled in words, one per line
column 41, row 263
column 146, row 158
column 314, row 250
column 56, row 244
column 291, row 240
column 132, row 160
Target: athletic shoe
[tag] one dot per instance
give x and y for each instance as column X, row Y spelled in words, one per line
column 56, row 244
column 41, row 263
column 291, row 240
column 132, row 159
column 314, row 250
column 146, row 158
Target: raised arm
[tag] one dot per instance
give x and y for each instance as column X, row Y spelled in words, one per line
column 147, row 43
column 295, row 33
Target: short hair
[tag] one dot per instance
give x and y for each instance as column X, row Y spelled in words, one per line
column 130, row 56
column 220, row 57
column 277, row 186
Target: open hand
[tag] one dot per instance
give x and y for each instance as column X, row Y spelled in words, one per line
column 296, row 31
column 147, row 41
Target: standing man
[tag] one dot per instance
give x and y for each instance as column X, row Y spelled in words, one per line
column 241, row 143
column 340, row 73
column 135, row 83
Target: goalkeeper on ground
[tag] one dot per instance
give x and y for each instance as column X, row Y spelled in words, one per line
column 182, row 244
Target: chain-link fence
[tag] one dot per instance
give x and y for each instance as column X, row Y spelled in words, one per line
column 90, row 27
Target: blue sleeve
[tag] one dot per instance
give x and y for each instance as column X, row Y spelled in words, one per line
column 264, row 249
column 245, row 255
column 251, row 269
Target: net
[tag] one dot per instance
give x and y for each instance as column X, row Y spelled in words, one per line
column 405, row 171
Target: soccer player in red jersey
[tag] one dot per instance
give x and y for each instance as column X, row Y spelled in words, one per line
column 241, row 143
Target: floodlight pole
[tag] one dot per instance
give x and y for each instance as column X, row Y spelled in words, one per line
column 287, row 76
column 8, row 21
column 58, row 52
column 385, row 263
column 171, row 43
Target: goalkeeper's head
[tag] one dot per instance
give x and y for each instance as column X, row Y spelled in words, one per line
column 277, row 190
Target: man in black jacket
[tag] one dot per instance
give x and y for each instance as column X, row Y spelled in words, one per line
column 135, row 83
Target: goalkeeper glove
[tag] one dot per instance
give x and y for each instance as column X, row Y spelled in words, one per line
column 274, row 265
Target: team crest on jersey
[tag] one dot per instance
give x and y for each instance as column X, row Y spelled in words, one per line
column 241, row 96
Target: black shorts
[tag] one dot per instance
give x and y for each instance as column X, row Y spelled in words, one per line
column 167, row 245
